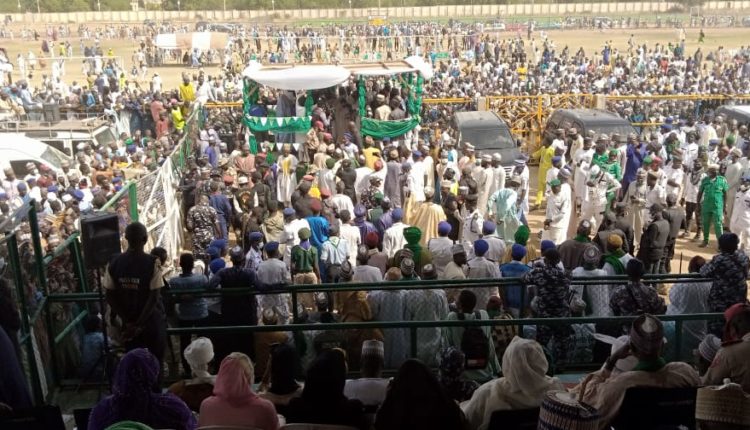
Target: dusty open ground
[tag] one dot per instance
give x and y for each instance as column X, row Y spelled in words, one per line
column 591, row 40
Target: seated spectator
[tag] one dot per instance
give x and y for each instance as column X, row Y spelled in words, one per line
column 133, row 398
column 725, row 407
column 501, row 335
column 729, row 335
column 234, row 403
column 323, row 400
column 706, row 353
column 732, row 359
column 371, row 387
column 452, row 366
column 92, row 348
column 605, row 391
column 454, row 337
column 279, row 385
column 415, row 400
column 265, row 340
column 194, row 391
column 522, row 386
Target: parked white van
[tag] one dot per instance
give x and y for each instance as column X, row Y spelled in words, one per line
column 65, row 135
column 16, row 150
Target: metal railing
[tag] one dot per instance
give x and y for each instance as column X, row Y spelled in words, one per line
column 295, row 290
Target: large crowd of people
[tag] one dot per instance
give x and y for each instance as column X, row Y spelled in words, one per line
column 337, row 207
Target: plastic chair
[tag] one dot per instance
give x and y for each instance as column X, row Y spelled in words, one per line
column 652, row 408
column 305, row 426
column 514, row 419
column 41, row 418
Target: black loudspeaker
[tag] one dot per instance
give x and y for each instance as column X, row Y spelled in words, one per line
column 100, row 239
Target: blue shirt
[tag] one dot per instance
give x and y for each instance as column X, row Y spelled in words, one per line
column 213, row 158
column 634, row 161
column 191, row 309
column 318, row 230
column 514, row 269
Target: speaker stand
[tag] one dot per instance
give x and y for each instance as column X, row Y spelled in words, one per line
column 106, row 356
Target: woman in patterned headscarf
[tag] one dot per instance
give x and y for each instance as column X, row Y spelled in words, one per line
column 452, row 364
column 133, row 397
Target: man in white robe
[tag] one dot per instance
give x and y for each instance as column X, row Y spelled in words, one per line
column 558, row 214
column 286, row 181
column 485, row 182
column 393, row 238
column 498, row 174
column 599, row 184
column 441, row 248
column 290, row 236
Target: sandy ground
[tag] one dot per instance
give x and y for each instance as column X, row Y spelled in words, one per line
column 591, row 40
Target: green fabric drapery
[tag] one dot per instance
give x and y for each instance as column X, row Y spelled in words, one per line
column 380, row 129
column 290, row 124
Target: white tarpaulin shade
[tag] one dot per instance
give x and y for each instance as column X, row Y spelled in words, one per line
column 203, row 41
column 408, row 65
column 297, row 78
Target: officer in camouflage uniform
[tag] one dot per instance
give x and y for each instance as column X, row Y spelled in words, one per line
column 202, row 221
column 728, row 270
column 368, row 196
column 551, row 301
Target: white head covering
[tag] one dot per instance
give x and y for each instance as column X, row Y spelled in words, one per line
column 198, row 354
column 522, row 386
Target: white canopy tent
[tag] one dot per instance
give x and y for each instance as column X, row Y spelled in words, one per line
column 315, row 77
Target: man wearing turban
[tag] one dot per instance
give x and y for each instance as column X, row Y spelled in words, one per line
column 428, row 216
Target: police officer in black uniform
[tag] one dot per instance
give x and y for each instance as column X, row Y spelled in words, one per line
column 132, row 283
column 236, row 308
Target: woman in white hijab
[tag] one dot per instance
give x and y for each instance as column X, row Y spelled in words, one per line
column 522, row 386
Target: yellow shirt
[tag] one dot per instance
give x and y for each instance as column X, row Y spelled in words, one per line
column 177, row 119
column 187, row 92
column 545, row 155
column 371, row 156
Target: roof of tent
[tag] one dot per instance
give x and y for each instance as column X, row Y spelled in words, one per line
column 313, row 77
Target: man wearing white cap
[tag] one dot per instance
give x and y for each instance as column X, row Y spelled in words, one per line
column 599, row 184
column 605, row 390
column 498, row 174
column 485, row 181
column 559, row 209
column 467, row 159
column 371, row 387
